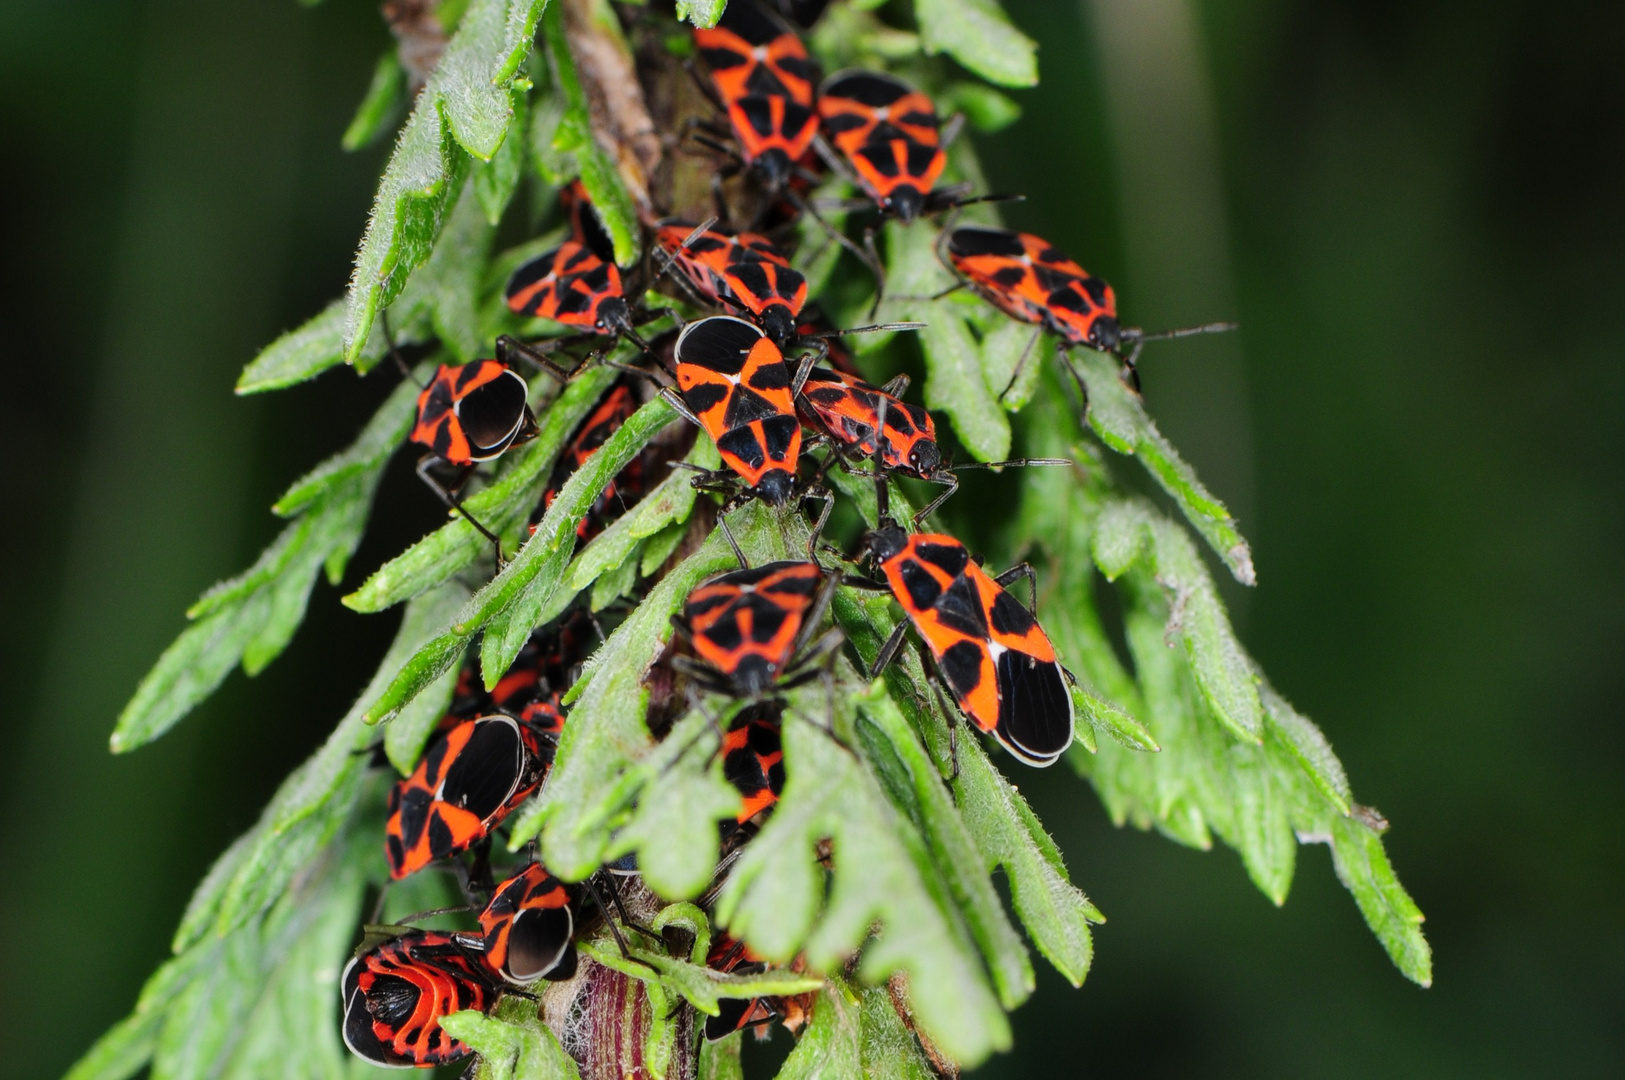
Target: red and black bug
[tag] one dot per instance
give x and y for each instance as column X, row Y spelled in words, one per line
column 753, row 758
column 471, row 778
column 997, row 661
column 732, row 956
column 749, row 628
column 528, row 928
column 1029, row 279
column 764, row 82
column 737, row 387
column 577, row 283
column 743, row 271
column 396, row 993
column 889, row 134
column 847, row 411
column 473, row 413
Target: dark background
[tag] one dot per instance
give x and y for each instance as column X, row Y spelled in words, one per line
column 1417, row 210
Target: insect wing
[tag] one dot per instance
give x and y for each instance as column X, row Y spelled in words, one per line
column 746, row 623
column 569, row 285
column 1030, row 280
column 735, row 381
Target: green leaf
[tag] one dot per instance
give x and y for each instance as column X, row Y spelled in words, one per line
column 718, row 1060
column 502, row 505
column 526, row 601
column 702, row 13
column 1010, row 346
column 1363, row 867
column 985, row 108
column 496, row 180
column 464, row 110
column 888, row 1048
column 444, row 294
column 303, row 354
column 574, row 136
column 1008, row 834
column 674, row 826
column 831, row 1044
column 955, row 380
column 1130, row 530
column 699, row 985
column 382, row 104
column 1118, row 416
column 406, row 735
column 1263, row 829
column 953, row 849
column 979, row 35
column 1113, row 721
column 126, row 1048
column 1308, row 746
column 882, row 875
column 512, row 1042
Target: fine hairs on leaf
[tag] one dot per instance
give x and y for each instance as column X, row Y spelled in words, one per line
column 858, row 905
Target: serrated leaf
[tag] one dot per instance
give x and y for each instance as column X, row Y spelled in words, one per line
column 444, row 293
column 298, row 355
column 674, row 826
column 512, row 1042
column 1113, row 721
column 1129, row 531
column 831, row 1044
column 574, row 136
column 887, row 1047
column 979, row 35
column 962, row 867
column 465, row 109
column 1308, row 745
column 553, row 542
column 1118, row 416
column 1363, row 867
column 385, row 96
column 1008, row 834
column 1263, row 830
column 775, row 897
column 408, row 733
column 699, row 985
column 496, row 180
column 508, row 500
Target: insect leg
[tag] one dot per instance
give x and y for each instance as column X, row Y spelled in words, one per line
column 1021, row 570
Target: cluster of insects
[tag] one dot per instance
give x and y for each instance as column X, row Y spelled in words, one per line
column 760, row 377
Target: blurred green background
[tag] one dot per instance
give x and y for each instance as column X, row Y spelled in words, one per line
column 1417, row 211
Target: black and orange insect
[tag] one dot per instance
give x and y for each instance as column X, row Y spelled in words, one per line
column 573, row 285
column 473, row 413
column 731, row 956
column 1030, row 279
column 737, row 387
column 396, row 993
column 764, row 81
column 743, row 271
column 470, row 779
column 889, row 135
column 750, row 628
column 753, row 758
column 528, row 929
column 997, row 661
column 847, row 411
